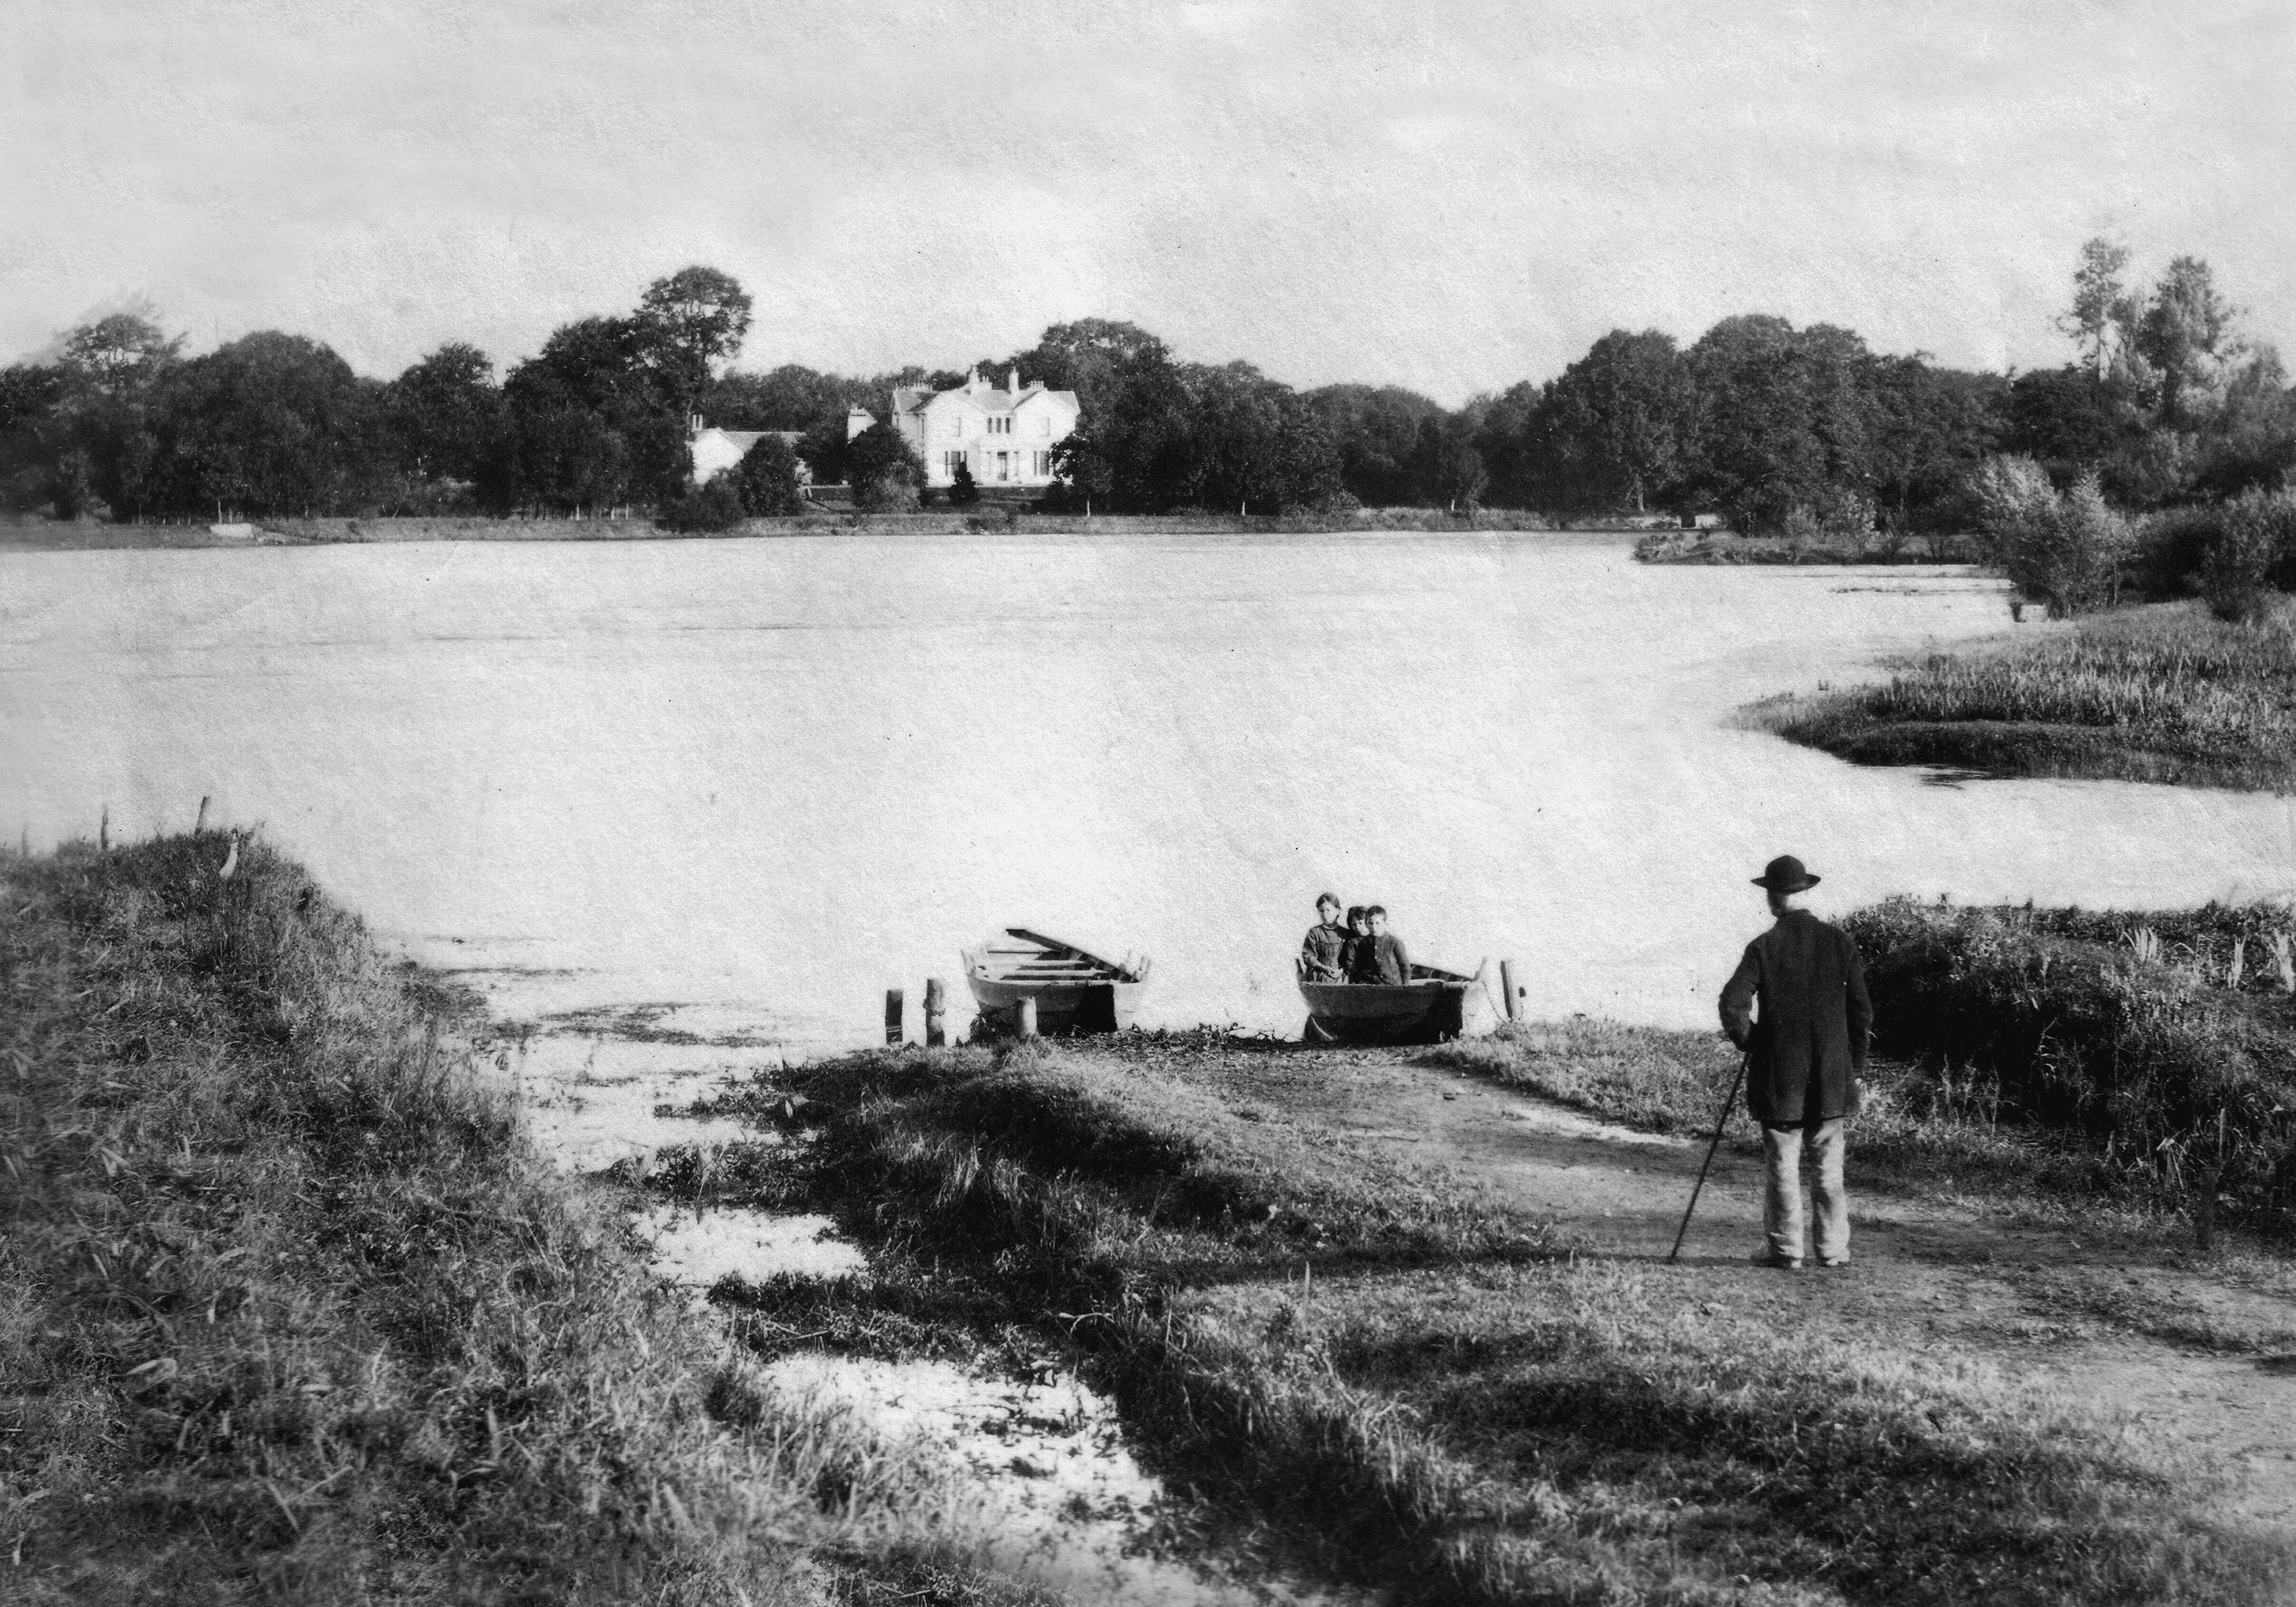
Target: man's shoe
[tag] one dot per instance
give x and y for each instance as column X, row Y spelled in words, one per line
column 1770, row 1258
column 1833, row 1261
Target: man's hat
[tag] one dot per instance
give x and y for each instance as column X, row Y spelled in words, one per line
column 1785, row 875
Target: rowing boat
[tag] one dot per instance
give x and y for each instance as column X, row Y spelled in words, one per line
column 1075, row 990
column 1435, row 1004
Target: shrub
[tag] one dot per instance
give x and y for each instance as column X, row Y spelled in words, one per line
column 884, row 471
column 766, row 479
column 2066, row 551
column 2256, row 534
column 705, row 509
column 2170, row 546
column 962, row 491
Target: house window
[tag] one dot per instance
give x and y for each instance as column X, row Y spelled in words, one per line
column 1042, row 464
column 1045, row 424
column 957, row 423
column 1004, row 465
column 1001, row 425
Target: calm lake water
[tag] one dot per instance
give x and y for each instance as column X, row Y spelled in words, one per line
column 780, row 777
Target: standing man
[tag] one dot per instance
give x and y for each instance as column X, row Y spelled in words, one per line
column 1379, row 957
column 1319, row 950
column 1803, row 1056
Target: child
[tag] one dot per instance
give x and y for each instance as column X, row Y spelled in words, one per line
column 1326, row 941
column 1378, row 956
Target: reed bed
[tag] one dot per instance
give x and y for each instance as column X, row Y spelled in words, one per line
column 2158, row 693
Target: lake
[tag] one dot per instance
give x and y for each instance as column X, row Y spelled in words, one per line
column 779, row 776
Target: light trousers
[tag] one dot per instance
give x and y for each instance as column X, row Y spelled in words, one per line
column 1782, row 1216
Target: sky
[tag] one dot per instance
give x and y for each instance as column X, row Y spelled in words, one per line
column 1448, row 195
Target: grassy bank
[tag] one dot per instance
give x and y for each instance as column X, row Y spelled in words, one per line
column 2143, row 1061
column 290, row 1310
column 2158, row 693
column 1727, row 549
column 1359, row 1363
column 45, row 535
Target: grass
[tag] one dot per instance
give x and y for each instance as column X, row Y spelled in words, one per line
column 1363, row 1368
column 289, row 1309
column 2158, row 693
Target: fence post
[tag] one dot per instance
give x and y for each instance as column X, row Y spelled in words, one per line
column 1506, row 987
column 1026, row 1016
column 893, row 1016
column 935, row 1013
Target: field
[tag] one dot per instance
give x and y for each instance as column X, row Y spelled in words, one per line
column 2158, row 693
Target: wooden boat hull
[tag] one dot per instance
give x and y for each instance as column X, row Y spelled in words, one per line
column 1433, row 1007
column 1075, row 990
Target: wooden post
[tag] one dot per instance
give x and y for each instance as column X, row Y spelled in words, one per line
column 893, row 1016
column 1025, row 1016
column 200, row 824
column 935, row 1013
column 1506, row 987
column 104, row 830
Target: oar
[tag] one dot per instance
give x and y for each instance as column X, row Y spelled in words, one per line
column 1719, row 1123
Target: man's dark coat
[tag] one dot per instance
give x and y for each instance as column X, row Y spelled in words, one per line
column 1810, row 1041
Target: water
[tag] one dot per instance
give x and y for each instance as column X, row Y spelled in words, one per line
column 776, row 777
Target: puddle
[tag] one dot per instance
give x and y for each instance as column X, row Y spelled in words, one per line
column 1055, row 1493
column 694, row 1252
column 1062, row 1498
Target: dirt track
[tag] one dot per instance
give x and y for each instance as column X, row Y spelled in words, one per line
column 2036, row 1302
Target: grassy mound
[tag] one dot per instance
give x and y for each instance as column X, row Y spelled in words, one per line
column 288, row 1308
column 2161, row 693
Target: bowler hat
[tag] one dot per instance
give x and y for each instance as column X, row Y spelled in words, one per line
column 1785, row 875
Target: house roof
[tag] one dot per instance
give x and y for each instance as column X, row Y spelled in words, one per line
column 916, row 398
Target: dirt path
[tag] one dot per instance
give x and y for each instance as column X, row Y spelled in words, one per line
column 2038, row 1303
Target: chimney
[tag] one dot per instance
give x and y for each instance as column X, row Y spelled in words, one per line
column 972, row 379
column 1016, row 384
column 693, row 424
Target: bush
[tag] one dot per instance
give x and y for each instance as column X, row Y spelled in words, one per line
column 2066, row 551
column 706, row 509
column 2255, row 537
column 884, row 471
column 2171, row 544
column 962, row 491
column 766, row 479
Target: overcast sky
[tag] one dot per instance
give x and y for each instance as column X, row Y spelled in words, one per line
column 1451, row 196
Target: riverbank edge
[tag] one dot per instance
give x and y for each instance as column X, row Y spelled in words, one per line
column 1850, row 725
column 91, row 536
column 293, row 1306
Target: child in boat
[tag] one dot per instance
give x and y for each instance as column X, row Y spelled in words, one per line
column 1358, row 929
column 1320, row 950
column 1378, row 956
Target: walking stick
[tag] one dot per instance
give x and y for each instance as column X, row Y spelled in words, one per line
column 1720, row 1122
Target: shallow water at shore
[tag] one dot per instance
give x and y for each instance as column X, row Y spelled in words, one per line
column 779, row 777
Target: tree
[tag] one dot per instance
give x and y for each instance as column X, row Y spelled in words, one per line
column 594, row 367
column 766, row 479
column 2103, row 311
column 2187, row 337
column 119, row 354
column 445, row 411
column 1375, row 431
column 884, row 471
column 685, row 325
column 962, row 491
column 268, row 423
column 1616, row 422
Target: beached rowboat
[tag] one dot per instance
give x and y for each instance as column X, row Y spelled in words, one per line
column 1435, row 1004
column 1075, row 990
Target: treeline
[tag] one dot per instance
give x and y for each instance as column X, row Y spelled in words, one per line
column 1770, row 427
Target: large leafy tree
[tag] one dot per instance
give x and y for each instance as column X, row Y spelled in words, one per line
column 884, row 471
column 444, row 413
column 686, row 325
column 1616, row 421
column 765, row 479
column 268, row 423
column 1375, row 430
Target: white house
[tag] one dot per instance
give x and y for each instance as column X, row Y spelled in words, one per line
column 716, row 450
column 1006, row 437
